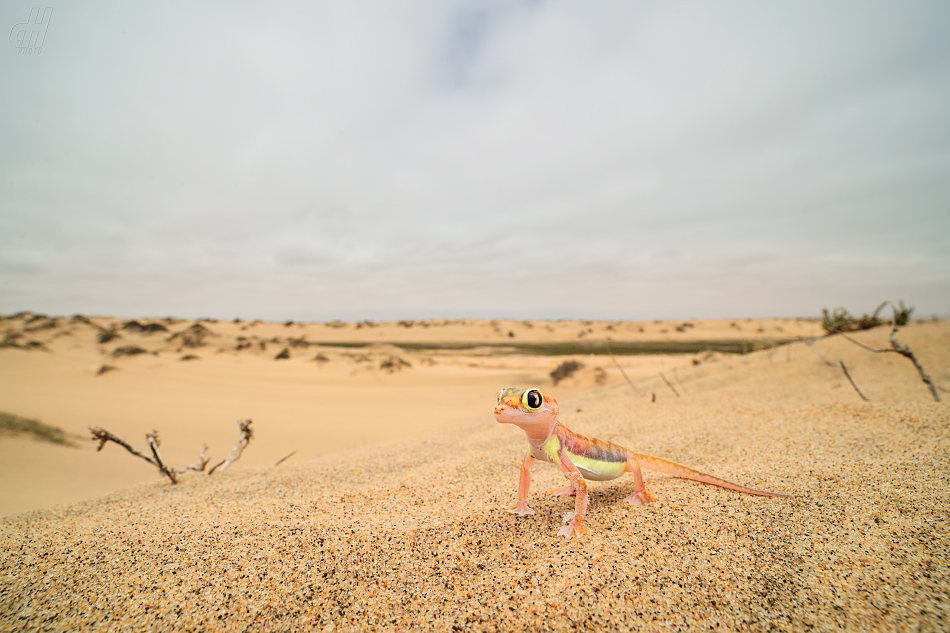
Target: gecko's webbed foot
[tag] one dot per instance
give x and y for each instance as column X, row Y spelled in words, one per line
column 566, row 491
column 639, row 498
column 520, row 508
column 574, row 527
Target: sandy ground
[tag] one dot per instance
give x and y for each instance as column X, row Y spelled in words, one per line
column 347, row 398
column 412, row 533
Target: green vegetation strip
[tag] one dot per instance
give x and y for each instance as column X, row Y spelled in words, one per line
column 568, row 348
column 11, row 424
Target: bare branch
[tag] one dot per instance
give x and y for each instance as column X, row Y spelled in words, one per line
column 284, row 458
column 153, row 443
column 243, row 440
column 808, row 343
column 870, row 349
column 668, row 384
column 625, row 377
column 102, row 436
column 844, row 368
column 903, row 350
column 839, row 363
column 202, row 462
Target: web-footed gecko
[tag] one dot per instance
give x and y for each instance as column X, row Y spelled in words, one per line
column 581, row 458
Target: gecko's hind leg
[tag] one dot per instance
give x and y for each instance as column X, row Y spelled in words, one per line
column 566, row 491
column 640, row 495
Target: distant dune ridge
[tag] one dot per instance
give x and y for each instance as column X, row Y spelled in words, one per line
column 392, row 514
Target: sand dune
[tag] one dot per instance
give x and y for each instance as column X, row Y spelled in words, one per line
column 410, row 532
column 191, row 380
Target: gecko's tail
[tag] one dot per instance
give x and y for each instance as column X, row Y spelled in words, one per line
column 672, row 468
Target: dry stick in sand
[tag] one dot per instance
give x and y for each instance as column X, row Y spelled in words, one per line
column 844, row 368
column 153, row 443
column 284, row 458
column 625, row 377
column 103, row 436
column 202, row 461
column 670, row 385
column 677, row 379
column 840, row 364
column 243, row 441
column 903, row 350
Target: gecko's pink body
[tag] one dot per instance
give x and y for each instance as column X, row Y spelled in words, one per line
column 581, row 458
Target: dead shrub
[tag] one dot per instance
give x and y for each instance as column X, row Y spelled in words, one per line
column 565, row 370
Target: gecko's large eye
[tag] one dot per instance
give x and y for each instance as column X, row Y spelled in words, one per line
column 532, row 399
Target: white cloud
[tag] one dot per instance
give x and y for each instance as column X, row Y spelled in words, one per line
column 379, row 159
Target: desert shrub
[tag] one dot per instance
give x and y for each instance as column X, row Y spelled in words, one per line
column 128, row 350
column 393, row 364
column 133, row 326
column 193, row 336
column 11, row 424
column 840, row 320
column 11, row 339
column 565, row 370
column 105, row 336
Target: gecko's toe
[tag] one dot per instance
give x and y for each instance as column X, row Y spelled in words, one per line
column 574, row 527
column 640, row 498
column 521, row 509
column 566, row 491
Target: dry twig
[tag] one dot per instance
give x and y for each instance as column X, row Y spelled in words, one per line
column 623, row 373
column 840, row 364
column 153, row 443
column 243, row 440
column 284, row 458
column 903, row 350
column 844, row 368
column 103, row 436
column 669, row 384
column 202, row 462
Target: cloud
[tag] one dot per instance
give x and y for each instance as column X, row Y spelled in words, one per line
column 413, row 160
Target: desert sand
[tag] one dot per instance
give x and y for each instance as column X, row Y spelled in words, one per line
column 391, row 515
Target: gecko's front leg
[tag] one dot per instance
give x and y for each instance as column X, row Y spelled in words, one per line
column 521, row 508
column 576, row 525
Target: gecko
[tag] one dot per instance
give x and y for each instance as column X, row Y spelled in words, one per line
column 580, row 458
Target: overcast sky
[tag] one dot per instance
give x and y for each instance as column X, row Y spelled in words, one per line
column 320, row 160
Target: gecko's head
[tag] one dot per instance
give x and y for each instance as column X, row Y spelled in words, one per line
column 530, row 409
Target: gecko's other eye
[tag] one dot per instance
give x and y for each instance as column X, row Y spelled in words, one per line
column 532, row 399
column 501, row 394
